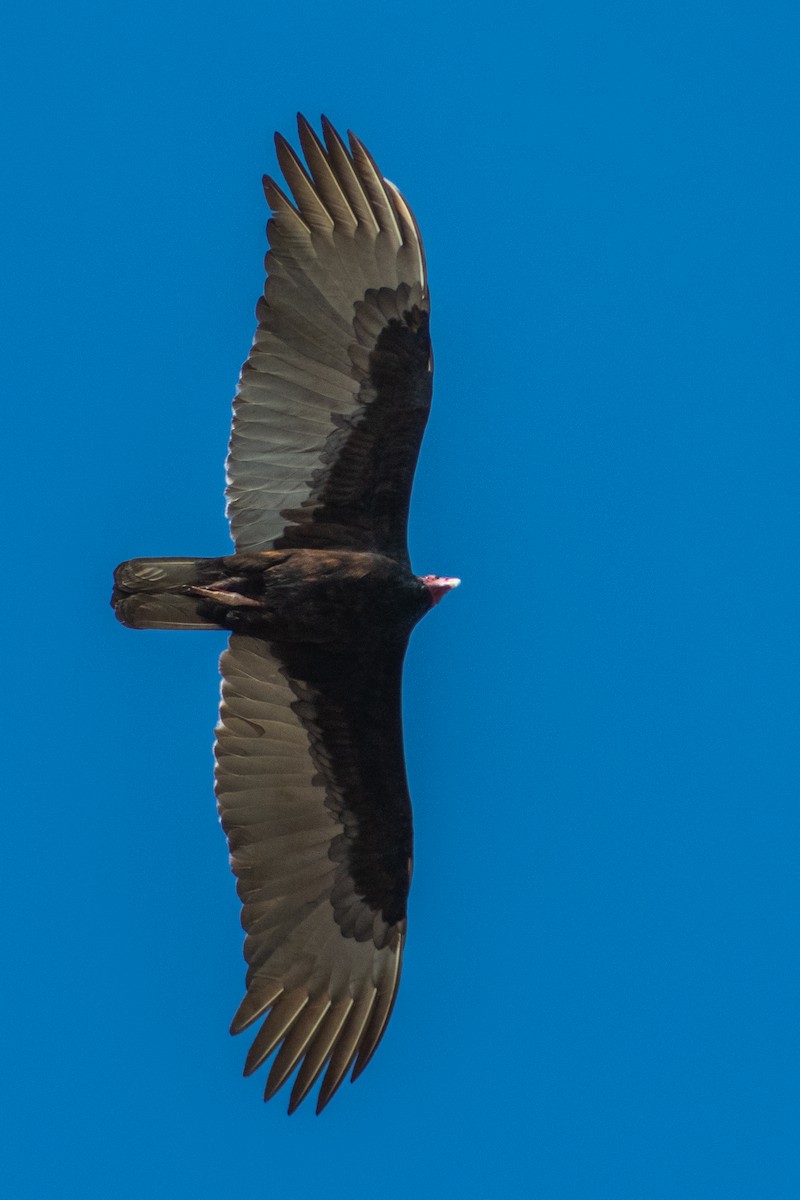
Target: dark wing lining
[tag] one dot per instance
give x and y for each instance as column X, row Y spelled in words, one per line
column 334, row 396
column 313, row 798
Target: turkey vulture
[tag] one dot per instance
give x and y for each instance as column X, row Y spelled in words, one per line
column 320, row 601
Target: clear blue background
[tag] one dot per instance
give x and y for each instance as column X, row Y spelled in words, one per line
column 600, row 996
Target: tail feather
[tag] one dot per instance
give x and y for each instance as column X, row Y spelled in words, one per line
column 152, row 593
column 158, row 574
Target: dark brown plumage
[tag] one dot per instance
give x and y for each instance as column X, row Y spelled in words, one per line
column 320, row 601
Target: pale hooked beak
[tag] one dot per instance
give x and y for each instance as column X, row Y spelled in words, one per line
column 439, row 585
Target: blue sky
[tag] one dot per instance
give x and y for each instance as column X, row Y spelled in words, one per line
column 600, row 993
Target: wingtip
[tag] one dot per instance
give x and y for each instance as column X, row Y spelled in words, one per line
column 250, row 1065
column 255, row 1003
column 300, row 1089
column 360, row 1066
column 334, row 1077
column 356, row 145
column 332, row 137
column 324, row 1100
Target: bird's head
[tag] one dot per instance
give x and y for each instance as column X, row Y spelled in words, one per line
column 438, row 585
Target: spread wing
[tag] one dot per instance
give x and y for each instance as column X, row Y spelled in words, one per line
column 334, row 396
column 312, row 795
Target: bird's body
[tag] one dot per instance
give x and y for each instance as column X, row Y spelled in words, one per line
column 337, row 598
column 320, row 601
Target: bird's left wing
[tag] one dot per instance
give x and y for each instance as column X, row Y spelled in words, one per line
column 334, row 396
column 312, row 795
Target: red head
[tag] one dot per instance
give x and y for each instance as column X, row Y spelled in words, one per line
column 438, row 585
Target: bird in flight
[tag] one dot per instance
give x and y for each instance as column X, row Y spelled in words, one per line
column 320, row 601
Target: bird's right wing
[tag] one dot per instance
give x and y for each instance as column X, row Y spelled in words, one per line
column 334, row 396
column 312, row 795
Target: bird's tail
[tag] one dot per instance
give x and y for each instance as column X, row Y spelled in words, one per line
column 153, row 593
